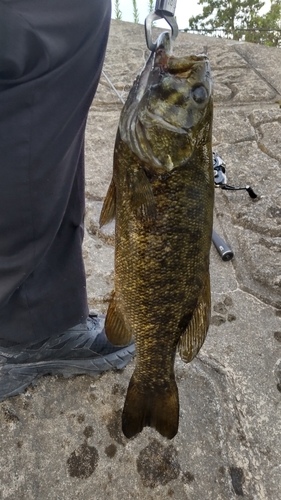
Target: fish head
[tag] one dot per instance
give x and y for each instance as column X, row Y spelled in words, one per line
column 168, row 113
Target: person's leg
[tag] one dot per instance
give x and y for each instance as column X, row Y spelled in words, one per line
column 51, row 55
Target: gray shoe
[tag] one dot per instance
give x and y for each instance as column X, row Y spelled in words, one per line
column 83, row 349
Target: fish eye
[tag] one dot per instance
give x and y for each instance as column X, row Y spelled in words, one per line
column 199, row 94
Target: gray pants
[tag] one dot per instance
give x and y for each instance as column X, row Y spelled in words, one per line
column 51, row 55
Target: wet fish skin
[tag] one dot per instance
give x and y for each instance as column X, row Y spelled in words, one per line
column 162, row 197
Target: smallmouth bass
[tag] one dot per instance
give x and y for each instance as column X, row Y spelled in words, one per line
column 162, row 195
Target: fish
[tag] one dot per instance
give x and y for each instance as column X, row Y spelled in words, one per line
column 161, row 196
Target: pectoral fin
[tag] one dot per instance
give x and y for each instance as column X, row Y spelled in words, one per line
column 193, row 338
column 109, row 205
column 116, row 329
column 142, row 197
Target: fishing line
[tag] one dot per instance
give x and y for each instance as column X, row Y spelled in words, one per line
column 113, row 88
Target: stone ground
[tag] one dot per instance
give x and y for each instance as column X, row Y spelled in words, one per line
column 62, row 440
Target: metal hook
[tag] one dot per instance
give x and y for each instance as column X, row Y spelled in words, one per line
column 153, row 16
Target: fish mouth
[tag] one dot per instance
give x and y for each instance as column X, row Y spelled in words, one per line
column 145, row 149
column 143, row 146
column 159, row 120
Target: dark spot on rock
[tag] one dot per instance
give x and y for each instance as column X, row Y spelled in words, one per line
column 157, row 464
column 10, row 416
column 279, row 387
column 278, row 312
column 81, row 418
column 237, row 478
column 83, row 461
column 187, row 477
column 19, row 444
column 65, row 444
column 118, row 390
column 274, row 212
column 229, row 350
column 241, row 435
column 92, row 228
column 88, row 431
column 231, row 317
column 114, row 428
column 220, row 308
column 217, row 320
column 222, row 470
column 170, row 492
column 277, row 336
column 266, row 451
column 31, row 389
column 111, row 450
column 228, row 301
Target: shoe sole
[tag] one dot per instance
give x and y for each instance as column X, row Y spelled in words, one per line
column 19, row 376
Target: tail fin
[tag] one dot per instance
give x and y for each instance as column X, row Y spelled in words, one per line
column 158, row 408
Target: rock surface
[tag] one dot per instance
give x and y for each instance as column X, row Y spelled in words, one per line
column 62, row 440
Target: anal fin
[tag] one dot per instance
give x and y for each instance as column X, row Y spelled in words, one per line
column 116, row 329
column 193, row 338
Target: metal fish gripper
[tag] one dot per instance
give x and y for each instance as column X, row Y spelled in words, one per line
column 164, row 9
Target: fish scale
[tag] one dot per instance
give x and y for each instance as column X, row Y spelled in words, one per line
column 162, row 196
